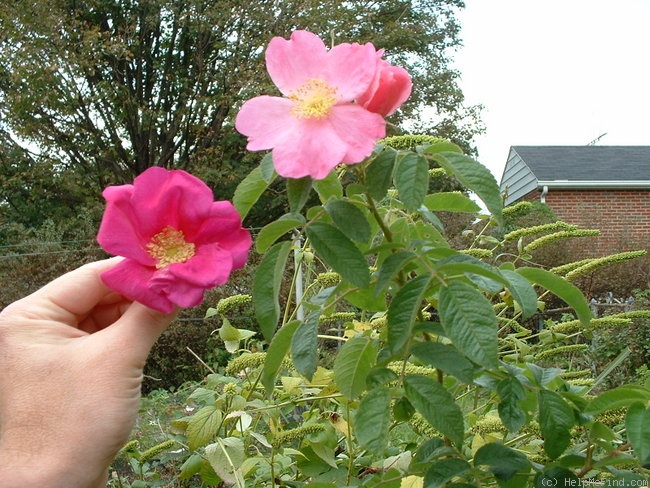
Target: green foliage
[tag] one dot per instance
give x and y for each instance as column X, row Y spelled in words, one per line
column 405, row 362
column 100, row 91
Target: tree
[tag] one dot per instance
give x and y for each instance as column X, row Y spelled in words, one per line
column 107, row 88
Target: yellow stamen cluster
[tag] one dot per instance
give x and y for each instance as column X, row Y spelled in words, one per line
column 169, row 247
column 314, row 99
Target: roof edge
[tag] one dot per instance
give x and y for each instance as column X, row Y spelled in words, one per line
column 601, row 184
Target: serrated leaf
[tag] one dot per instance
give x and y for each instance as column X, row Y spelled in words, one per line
column 389, row 269
column 349, row 219
column 622, row 396
column 298, row 190
column 339, row 253
column 280, row 345
column 273, row 231
column 226, row 456
column 475, row 177
column 555, row 421
column 267, row 167
column 450, row 202
column 442, row 146
column 250, row 189
column 511, row 392
column 411, row 179
column 446, row 358
column 403, row 311
column 190, row 467
column 487, row 277
column 444, row 470
column 304, row 346
column 436, row 405
column 372, row 420
column 203, row 426
column 523, row 293
column 328, row 187
column 352, row 364
column 266, row 287
column 412, row 481
column 556, row 476
column 469, row 321
column 503, row 461
column 562, row 288
column 379, row 173
column 637, row 426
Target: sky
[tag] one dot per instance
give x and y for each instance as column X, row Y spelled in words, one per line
column 556, row 72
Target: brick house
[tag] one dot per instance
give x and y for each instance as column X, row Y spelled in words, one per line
column 594, row 187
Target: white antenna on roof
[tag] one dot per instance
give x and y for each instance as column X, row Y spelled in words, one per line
column 595, row 141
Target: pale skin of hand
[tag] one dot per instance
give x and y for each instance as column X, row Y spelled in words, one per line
column 71, row 360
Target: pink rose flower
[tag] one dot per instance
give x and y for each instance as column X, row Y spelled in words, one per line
column 317, row 124
column 178, row 242
column 389, row 89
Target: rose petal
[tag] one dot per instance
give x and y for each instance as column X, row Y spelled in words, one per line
column 267, row 121
column 358, row 130
column 314, row 151
column 120, row 230
column 131, row 279
column 390, row 89
column 210, row 267
column 292, row 62
column 351, row 69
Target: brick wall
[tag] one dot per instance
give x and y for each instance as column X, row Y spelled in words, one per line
column 622, row 216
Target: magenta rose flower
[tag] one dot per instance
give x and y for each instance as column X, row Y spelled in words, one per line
column 178, row 242
column 389, row 89
column 317, row 123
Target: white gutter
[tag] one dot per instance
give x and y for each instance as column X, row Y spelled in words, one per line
column 594, row 184
column 542, row 197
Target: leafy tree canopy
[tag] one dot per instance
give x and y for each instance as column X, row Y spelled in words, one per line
column 107, row 88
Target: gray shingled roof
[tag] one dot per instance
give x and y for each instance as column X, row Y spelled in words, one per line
column 587, row 163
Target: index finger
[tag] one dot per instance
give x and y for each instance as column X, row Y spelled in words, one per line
column 72, row 295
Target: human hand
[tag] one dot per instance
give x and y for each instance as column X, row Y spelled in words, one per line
column 71, row 362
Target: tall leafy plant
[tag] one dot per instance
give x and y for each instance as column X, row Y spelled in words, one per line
column 404, row 362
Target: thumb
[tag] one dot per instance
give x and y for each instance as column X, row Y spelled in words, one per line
column 137, row 330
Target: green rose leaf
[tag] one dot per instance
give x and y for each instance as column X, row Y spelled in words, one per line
column 226, row 456
column 511, row 392
column 403, row 311
column 522, row 292
column 352, row 365
column 349, row 219
column 298, row 190
column 203, row 426
column 411, row 179
column 446, row 358
column 474, row 176
column 339, row 253
column 637, row 426
column 266, row 287
column 560, row 287
column 328, row 187
column 436, row 405
column 450, row 202
column 280, row 345
column 379, row 173
column 445, row 470
column 469, row 321
column 373, row 419
column 623, row 396
column 502, row 460
column 251, row 188
column 304, row 346
column 555, row 421
column 276, row 229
